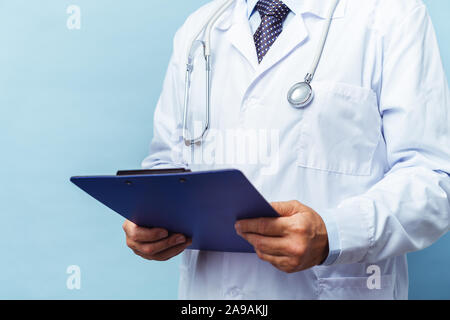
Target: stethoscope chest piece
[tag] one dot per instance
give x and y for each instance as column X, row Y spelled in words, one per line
column 300, row 95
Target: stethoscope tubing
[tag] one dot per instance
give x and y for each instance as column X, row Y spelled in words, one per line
column 299, row 102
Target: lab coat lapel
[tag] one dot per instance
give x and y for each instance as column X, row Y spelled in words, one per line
column 294, row 35
column 237, row 30
column 240, row 36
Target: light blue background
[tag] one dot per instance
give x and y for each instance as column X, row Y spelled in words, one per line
column 81, row 102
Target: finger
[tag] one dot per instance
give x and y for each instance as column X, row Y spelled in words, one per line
column 262, row 226
column 141, row 234
column 287, row 208
column 153, row 248
column 172, row 252
column 141, row 255
column 269, row 245
column 281, row 263
column 166, row 254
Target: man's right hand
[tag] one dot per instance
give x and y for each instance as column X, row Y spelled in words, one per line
column 154, row 243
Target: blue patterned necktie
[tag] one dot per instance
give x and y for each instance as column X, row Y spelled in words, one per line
column 273, row 13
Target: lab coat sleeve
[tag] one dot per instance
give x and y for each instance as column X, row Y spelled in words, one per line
column 409, row 208
column 166, row 147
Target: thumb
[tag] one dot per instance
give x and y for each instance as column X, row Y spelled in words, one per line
column 287, row 208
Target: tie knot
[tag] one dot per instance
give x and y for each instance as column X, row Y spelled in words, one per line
column 275, row 8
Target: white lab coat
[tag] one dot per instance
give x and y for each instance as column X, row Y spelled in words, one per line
column 371, row 154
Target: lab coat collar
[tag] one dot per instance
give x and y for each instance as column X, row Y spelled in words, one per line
column 318, row 8
column 294, row 35
column 236, row 25
column 237, row 30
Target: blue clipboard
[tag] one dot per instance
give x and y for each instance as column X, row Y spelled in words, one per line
column 201, row 205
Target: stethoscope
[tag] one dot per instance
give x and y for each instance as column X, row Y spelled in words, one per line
column 299, row 95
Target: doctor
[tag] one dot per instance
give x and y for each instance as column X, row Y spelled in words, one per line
column 359, row 174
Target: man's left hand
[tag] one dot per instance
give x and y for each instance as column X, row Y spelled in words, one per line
column 295, row 241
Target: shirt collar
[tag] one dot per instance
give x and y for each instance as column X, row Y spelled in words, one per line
column 251, row 4
column 317, row 7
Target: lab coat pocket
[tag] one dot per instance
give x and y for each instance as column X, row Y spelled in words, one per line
column 340, row 130
column 356, row 288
